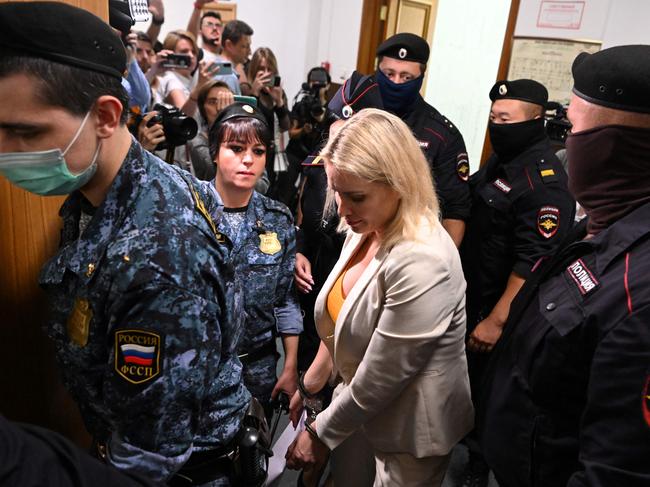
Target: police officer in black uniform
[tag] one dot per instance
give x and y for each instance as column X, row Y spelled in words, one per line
column 402, row 61
column 521, row 211
column 318, row 244
column 567, row 401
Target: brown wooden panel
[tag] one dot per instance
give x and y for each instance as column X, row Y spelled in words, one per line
column 228, row 11
column 373, row 32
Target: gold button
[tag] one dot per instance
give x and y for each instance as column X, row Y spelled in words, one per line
column 127, row 258
column 91, row 269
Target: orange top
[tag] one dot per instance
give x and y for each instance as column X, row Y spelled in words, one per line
column 335, row 298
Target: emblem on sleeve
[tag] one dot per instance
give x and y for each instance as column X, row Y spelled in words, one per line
column 462, row 167
column 583, row 277
column 269, row 243
column 548, row 221
column 137, row 355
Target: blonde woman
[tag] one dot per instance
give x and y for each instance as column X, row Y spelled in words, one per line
column 391, row 317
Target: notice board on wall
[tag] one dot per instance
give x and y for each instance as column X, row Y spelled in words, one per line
column 549, row 62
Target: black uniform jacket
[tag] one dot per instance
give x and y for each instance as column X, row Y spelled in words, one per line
column 445, row 151
column 566, row 396
column 521, row 211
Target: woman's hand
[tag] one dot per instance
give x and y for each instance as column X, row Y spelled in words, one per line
column 306, row 451
column 150, row 137
column 259, row 83
column 302, row 274
column 296, row 407
column 224, row 98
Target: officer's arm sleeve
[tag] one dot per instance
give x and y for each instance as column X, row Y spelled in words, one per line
column 615, row 425
column 542, row 220
column 451, row 172
column 405, row 337
column 287, row 309
column 165, row 350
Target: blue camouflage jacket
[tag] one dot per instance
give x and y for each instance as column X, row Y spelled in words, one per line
column 145, row 318
column 265, row 253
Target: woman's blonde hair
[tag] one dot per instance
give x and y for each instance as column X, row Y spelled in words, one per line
column 176, row 35
column 377, row 146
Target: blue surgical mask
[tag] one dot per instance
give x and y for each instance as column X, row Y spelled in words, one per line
column 398, row 97
column 46, row 172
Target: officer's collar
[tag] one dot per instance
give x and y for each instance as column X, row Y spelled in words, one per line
column 620, row 236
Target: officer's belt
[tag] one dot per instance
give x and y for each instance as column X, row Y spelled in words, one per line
column 204, row 466
column 259, row 353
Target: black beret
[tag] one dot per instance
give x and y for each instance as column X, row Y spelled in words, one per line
column 238, row 110
column 618, row 77
column 358, row 92
column 62, row 33
column 520, row 89
column 405, row 47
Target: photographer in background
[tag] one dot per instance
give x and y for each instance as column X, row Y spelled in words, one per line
column 309, row 120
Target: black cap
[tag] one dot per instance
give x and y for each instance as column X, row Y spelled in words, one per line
column 358, row 92
column 238, row 110
column 527, row 90
column 62, row 33
column 618, row 77
column 405, row 47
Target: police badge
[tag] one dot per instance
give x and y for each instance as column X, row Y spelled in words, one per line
column 269, row 243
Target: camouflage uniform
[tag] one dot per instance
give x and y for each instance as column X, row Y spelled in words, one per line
column 145, row 310
column 264, row 251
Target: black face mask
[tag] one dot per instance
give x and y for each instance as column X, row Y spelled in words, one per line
column 511, row 139
column 609, row 172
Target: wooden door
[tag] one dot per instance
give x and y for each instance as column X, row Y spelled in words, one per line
column 228, row 11
column 30, row 389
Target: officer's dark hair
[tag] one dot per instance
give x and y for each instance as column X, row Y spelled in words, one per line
column 210, row 13
column 247, row 130
column 235, row 30
column 73, row 89
column 423, row 66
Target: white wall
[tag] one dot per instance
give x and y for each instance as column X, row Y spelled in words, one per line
column 613, row 22
column 301, row 33
column 463, row 65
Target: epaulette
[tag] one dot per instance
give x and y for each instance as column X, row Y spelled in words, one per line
column 274, row 205
column 444, row 121
column 313, row 161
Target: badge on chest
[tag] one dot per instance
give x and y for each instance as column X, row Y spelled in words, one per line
column 269, row 243
column 79, row 322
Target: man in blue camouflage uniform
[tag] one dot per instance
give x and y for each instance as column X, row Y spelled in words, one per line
column 264, row 241
column 145, row 304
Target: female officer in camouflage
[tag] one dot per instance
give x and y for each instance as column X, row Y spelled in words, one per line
column 263, row 237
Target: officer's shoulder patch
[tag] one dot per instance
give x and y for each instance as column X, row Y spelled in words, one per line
column 462, row 166
column 137, row 355
column 548, row 221
column 546, row 171
column 273, row 205
column 444, row 121
column 582, row 277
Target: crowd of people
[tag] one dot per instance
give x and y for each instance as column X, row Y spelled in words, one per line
column 418, row 306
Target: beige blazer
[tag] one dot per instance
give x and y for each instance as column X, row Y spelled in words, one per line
column 399, row 347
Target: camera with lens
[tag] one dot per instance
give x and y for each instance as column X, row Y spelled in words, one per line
column 177, row 126
column 557, row 123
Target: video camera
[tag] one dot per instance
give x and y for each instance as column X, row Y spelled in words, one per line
column 309, row 107
column 177, row 126
column 557, row 123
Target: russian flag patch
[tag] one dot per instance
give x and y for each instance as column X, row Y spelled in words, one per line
column 137, row 355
